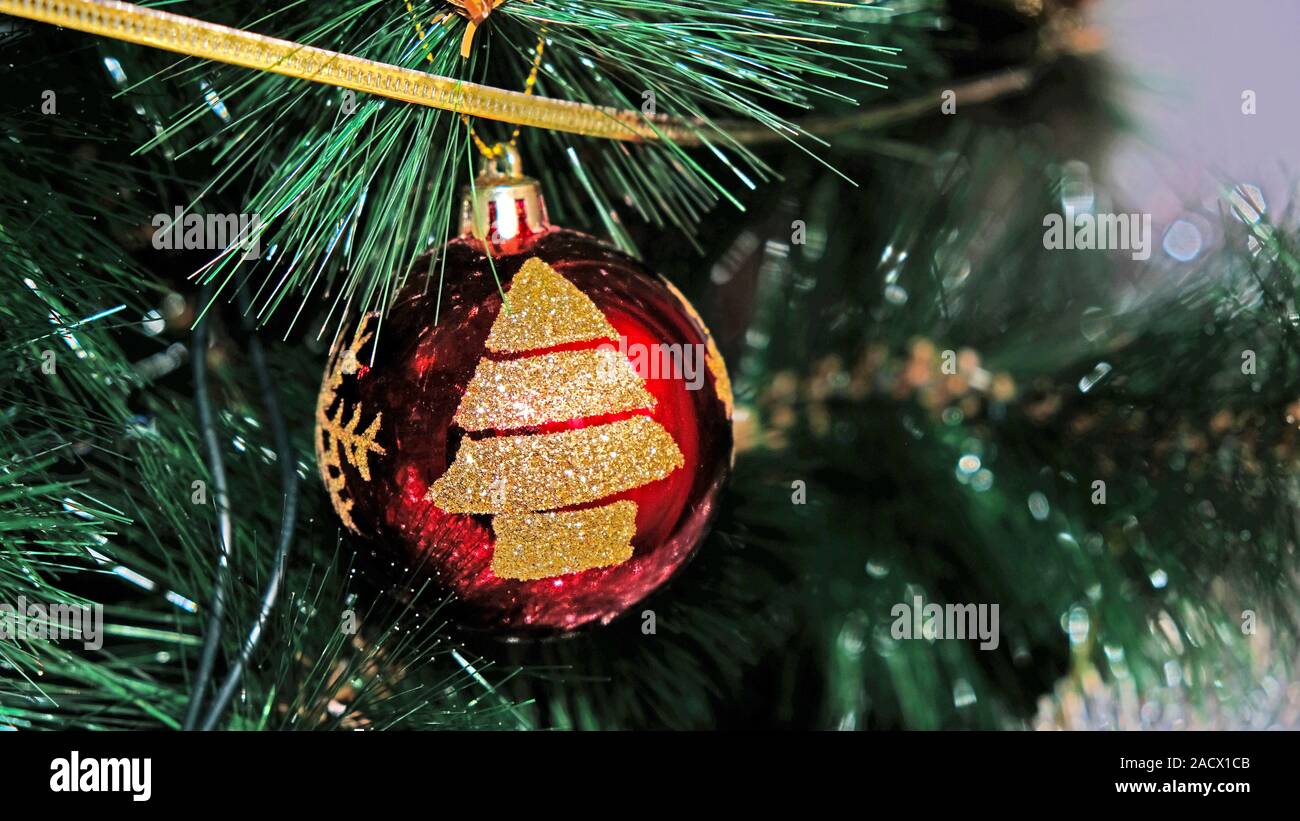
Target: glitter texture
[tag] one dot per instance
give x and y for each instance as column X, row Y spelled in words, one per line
column 550, row 470
column 545, row 310
column 552, row 387
column 540, row 545
column 337, row 439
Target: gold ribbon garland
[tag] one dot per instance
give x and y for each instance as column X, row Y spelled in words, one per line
column 195, row 38
column 209, row 41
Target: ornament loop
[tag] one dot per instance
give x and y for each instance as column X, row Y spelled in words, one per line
column 502, row 206
column 501, row 163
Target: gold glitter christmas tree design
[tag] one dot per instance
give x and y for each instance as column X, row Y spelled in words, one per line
column 523, row 478
column 337, row 439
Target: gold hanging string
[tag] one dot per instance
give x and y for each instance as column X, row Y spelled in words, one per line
column 209, row 41
column 530, row 82
column 475, row 12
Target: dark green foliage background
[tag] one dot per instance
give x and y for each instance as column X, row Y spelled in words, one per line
column 783, row 618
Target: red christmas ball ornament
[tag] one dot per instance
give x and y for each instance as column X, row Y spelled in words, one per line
column 545, row 430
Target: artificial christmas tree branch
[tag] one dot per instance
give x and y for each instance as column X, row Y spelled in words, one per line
column 196, row 38
column 364, row 186
column 285, row 202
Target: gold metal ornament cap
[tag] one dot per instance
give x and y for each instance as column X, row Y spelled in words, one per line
column 502, row 205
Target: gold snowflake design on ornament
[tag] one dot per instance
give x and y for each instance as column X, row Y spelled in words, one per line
column 337, row 440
